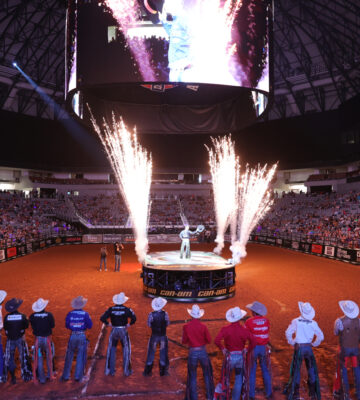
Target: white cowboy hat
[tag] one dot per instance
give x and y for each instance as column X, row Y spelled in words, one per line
column 196, row 311
column 39, row 305
column 306, row 310
column 235, row 314
column 3, row 294
column 350, row 308
column 258, row 308
column 158, row 303
column 120, row 298
column 78, row 302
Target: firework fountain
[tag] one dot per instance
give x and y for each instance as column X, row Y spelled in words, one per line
column 224, row 168
column 132, row 166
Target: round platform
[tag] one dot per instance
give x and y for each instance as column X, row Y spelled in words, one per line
column 204, row 277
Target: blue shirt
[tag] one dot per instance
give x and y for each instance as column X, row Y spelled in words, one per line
column 78, row 320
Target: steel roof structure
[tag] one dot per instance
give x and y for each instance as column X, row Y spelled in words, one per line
column 316, row 55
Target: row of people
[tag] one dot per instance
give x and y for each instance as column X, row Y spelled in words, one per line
column 243, row 342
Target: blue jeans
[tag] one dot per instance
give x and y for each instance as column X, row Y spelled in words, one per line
column 259, row 352
column 306, row 353
column 117, row 262
column 195, row 357
column 116, row 335
column 237, row 364
column 2, row 371
column 154, row 341
column 103, row 262
column 349, row 352
column 77, row 343
column 44, row 349
column 15, row 344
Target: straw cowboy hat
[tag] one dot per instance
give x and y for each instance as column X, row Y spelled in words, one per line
column 258, row 308
column 158, row 303
column 196, row 311
column 120, row 298
column 78, row 302
column 39, row 305
column 306, row 310
column 3, row 294
column 350, row 308
column 13, row 304
column 235, row 314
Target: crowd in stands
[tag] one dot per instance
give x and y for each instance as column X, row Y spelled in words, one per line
column 68, row 181
column 325, row 218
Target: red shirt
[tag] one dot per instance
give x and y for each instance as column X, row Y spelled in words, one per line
column 234, row 337
column 195, row 334
column 259, row 326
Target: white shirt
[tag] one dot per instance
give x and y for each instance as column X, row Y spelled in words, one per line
column 304, row 330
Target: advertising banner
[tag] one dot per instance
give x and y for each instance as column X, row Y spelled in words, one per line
column 72, row 239
column 271, row 240
column 42, row 244
column 36, row 245
column 29, row 248
column 190, row 294
column 279, row 242
column 21, row 250
column 295, row 245
column 287, row 243
column 346, row 254
column 93, row 239
column 2, row 255
column 305, row 247
column 316, row 248
column 112, row 238
column 11, row 252
column 329, row 251
column 358, row 256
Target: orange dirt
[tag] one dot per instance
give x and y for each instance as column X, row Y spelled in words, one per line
column 276, row 277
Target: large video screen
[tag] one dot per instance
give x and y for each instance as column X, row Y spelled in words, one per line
column 222, row 42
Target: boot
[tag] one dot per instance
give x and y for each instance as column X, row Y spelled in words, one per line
column 296, row 395
column 147, row 370
column 13, row 378
column 163, row 370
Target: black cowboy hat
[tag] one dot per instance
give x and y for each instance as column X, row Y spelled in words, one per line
column 13, row 304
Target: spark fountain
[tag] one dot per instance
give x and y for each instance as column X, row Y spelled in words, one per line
column 254, row 201
column 224, row 168
column 132, row 166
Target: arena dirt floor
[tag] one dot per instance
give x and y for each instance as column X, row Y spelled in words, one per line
column 278, row 278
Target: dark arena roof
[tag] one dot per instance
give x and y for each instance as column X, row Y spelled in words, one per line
column 312, row 118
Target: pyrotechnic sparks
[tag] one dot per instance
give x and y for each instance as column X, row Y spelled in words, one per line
column 127, row 14
column 254, row 201
column 132, row 166
column 224, row 168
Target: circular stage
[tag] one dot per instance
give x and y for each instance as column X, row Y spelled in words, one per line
column 204, row 277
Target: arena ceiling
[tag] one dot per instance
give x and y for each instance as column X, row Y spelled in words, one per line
column 316, row 54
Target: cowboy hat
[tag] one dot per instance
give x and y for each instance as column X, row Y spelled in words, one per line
column 306, row 310
column 196, row 311
column 158, row 303
column 78, row 302
column 235, row 314
column 257, row 308
column 120, row 298
column 350, row 308
column 3, row 294
column 13, row 304
column 39, row 305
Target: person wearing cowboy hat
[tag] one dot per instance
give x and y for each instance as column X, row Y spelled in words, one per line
column 232, row 340
column 304, row 328
column 347, row 328
column 196, row 335
column 119, row 317
column 77, row 321
column 158, row 320
column 259, row 326
column 15, row 325
column 42, row 323
column 3, row 294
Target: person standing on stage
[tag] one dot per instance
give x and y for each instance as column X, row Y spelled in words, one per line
column 77, row 321
column 103, row 257
column 119, row 316
column 118, row 247
column 158, row 320
column 347, row 328
column 304, row 328
column 42, row 323
column 259, row 326
column 196, row 335
column 231, row 340
column 15, row 325
column 3, row 294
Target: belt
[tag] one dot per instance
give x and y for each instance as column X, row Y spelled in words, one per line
column 197, row 348
column 78, row 332
column 236, row 352
column 303, row 344
column 117, row 327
